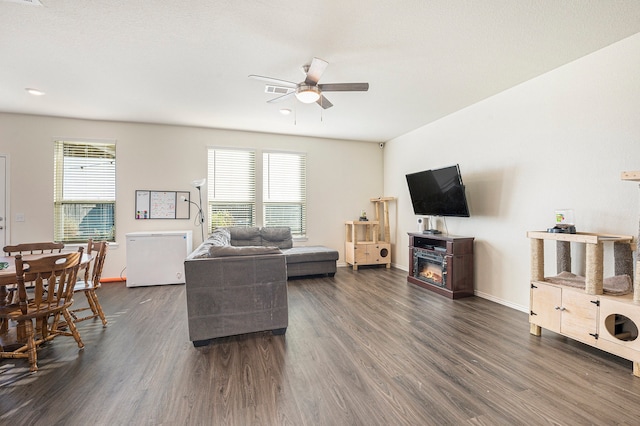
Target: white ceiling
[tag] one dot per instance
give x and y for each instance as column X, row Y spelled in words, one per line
column 187, row 62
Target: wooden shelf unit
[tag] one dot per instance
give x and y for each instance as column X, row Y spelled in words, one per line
column 607, row 322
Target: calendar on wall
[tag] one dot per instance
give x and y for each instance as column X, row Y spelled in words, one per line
column 162, row 204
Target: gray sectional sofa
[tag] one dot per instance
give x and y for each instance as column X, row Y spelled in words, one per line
column 236, row 280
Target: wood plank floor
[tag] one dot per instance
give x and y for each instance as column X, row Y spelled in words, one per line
column 362, row 348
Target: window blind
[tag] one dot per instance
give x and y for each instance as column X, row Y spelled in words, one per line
column 84, row 191
column 284, row 191
column 232, row 187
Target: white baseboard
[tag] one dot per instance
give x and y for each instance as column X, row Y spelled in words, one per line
column 502, row 301
column 476, row 292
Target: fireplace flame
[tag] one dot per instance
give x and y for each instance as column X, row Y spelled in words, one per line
column 431, row 275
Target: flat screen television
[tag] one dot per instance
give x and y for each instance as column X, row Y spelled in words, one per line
column 438, row 192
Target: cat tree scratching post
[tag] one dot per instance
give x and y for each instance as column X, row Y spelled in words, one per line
column 384, row 219
column 635, row 177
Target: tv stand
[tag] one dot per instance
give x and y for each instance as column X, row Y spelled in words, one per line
column 442, row 263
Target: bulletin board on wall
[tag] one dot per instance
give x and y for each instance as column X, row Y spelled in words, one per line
column 162, row 204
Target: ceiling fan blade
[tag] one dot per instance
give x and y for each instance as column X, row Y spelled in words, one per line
column 281, row 98
column 324, row 102
column 276, row 81
column 315, row 71
column 344, row 87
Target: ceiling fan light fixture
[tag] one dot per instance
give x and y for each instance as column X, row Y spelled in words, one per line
column 285, row 111
column 307, row 94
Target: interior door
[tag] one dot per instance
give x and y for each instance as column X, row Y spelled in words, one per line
column 3, row 201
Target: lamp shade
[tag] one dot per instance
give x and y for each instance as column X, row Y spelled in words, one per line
column 199, row 182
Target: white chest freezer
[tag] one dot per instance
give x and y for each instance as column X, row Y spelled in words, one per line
column 157, row 258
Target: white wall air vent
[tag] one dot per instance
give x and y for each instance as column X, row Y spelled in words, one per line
column 29, row 2
column 279, row 90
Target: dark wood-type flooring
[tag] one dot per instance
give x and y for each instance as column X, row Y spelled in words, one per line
column 363, row 348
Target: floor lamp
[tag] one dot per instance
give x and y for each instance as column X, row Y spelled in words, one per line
column 200, row 216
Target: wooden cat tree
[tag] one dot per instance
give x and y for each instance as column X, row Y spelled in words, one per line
column 608, row 322
column 372, row 245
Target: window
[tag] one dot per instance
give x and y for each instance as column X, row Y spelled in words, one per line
column 284, row 191
column 234, row 197
column 84, row 191
column 232, row 187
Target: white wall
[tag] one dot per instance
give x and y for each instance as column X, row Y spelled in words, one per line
column 341, row 175
column 558, row 141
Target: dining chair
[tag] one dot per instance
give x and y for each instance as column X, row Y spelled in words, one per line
column 91, row 282
column 33, row 248
column 5, row 281
column 54, row 277
column 30, row 248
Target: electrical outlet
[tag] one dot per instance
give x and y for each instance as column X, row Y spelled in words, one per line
column 19, row 217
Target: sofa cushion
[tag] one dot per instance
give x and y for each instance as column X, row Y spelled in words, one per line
column 245, row 236
column 226, row 251
column 277, row 236
column 219, row 237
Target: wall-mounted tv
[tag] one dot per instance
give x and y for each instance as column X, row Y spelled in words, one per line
column 438, row 192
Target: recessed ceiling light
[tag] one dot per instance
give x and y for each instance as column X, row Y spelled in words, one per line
column 34, row 92
column 285, row 111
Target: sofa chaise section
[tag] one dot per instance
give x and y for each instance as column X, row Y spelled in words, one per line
column 311, row 260
column 301, row 261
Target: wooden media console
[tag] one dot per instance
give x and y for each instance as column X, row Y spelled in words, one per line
column 442, row 263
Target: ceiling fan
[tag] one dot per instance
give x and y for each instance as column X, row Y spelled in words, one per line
column 309, row 91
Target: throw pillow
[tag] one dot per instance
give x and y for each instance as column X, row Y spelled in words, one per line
column 277, row 236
